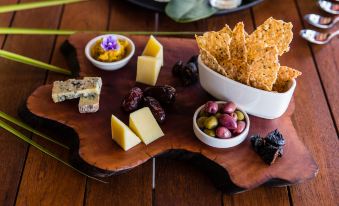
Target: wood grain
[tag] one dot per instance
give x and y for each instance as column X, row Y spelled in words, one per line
column 134, row 187
column 326, row 58
column 5, row 18
column 312, row 117
column 97, row 149
column 42, row 171
column 16, row 82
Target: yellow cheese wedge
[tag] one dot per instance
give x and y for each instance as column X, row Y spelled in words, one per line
column 143, row 123
column 123, row 135
column 148, row 69
column 153, row 48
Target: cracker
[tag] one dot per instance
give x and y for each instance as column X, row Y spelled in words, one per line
column 264, row 70
column 285, row 75
column 226, row 29
column 216, row 43
column 273, row 33
column 238, row 70
column 212, row 63
column 237, row 47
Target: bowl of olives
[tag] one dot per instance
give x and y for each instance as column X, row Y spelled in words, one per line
column 221, row 124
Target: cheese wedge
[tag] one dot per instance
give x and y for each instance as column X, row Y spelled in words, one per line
column 143, row 123
column 153, row 48
column 123, row 135
column 148, row 69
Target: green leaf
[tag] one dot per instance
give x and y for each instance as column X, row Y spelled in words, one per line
column 33, row 5
column 27, row 127
column 32, row 31
column 42, row 149
column 189, row 10
column 32, row 62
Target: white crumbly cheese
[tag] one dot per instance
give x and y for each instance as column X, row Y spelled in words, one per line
column 73, row 88
column 90, row 103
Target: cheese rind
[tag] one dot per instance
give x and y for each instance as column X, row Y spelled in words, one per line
column 74, row 88
column 90, row 104
column 123, row 135
column 143, row 123
column 153, row 48
column 148, row 69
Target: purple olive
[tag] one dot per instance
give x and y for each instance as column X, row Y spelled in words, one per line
column 211, row 107
column 241, row 127
column 228, row 107
column 227, row 121
column 234, row 115
column 223, row 133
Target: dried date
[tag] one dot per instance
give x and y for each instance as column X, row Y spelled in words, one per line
column 132, row 100
column 164, row 94
column 156, row 109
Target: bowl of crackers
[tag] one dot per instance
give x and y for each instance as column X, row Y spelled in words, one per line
column 244, row 68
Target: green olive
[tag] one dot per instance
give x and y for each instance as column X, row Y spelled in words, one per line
column 211, row 122
column 202, row 113
column 210, row 132
column 240, row 115
column 217, row 115
column 201, row 122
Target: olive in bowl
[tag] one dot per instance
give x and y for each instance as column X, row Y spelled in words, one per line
column 221, row 124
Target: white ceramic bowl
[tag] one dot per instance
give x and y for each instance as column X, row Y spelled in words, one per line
column 269, row 105
column 110, row 66
column 216, row 142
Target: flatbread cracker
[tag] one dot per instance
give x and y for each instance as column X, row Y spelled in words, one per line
column 285, row 75
column 216, row 43
column 237, row 47
column 238, row 70
column 212, row 63
column 272, row 33
column 226, row 29
column 264, row 71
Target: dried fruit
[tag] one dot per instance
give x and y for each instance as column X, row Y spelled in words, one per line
column 193, row 59
column 132, row 100
column 269, row 148
column 164, row 94
column 177, row 68
column 156, row 109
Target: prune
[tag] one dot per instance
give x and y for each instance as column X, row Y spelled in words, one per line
column 211, row 107
column 164, row 94
column 156, row 109
column 269, row 153
column 270, row 147
column 193, row 59
column 176, row 70
column 227, row 121
column 132, row 100
column 189, row 74
column 275, row 138
column 257, row 142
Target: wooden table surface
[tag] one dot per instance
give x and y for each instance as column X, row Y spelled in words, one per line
column 28, row 177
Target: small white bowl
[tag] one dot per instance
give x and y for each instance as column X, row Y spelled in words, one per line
column 216, row 142
column 257, row 102
column 110, row 66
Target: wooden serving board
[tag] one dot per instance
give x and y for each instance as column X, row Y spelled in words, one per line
column 233, row 170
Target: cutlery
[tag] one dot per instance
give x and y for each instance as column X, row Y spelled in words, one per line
column 321, row 21
column 329, row 7
column 317, row 37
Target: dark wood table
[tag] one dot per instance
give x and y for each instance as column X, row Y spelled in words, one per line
column 28, row 177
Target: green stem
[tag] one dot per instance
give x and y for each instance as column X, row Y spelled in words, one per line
column 33, row 5
column 70, row 32
column 42, row 149
column 33, row 62
column 27, row 127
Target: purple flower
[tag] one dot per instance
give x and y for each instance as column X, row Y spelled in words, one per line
column 110, row 43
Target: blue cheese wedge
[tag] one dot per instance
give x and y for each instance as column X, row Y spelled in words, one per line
column 74, row 88
column 90, row 104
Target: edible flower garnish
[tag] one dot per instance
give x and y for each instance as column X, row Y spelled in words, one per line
column 110, row 43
